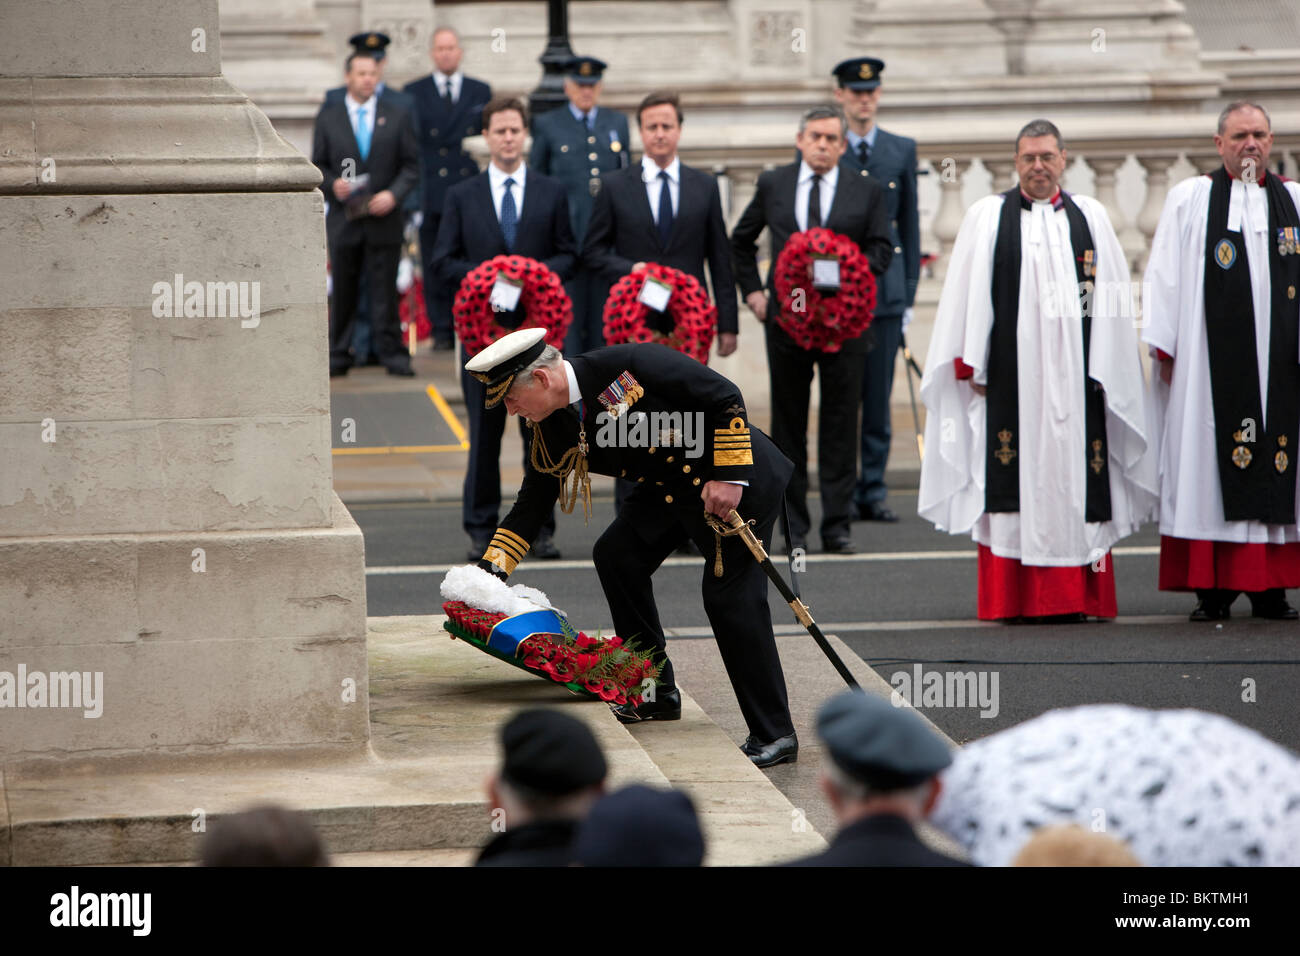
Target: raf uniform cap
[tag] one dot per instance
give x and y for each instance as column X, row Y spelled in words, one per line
column 586, row 70
column 860, row 73
column 883, row 746
column 371, row 43
column 498, row 364
column 550, row 753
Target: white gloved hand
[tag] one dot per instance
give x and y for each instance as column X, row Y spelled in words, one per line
column 907, row 318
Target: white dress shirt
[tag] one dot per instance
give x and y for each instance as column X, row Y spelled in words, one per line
column 353, row 108
column 497, row 180
column 650, row 176
column 440, row 80
column 801, row 191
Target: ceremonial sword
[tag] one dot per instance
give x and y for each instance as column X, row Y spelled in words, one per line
column 736, row 525
column 916, row 416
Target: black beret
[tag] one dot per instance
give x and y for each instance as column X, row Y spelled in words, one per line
column 640, row 826
column 550, row 753
column 883, row 746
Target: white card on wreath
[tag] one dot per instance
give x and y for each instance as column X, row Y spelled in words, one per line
column 655, row 294
column 826, row 273
column 505, row 294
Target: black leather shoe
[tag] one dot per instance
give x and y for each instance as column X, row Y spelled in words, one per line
column 339, row 372
column 403, row 370
column 476, row 548
column 667, row 705
column 838, row 546
column 544, row 549
column 876, row 511
column 781, row 750
column 1273, row 605
column 1207, row 610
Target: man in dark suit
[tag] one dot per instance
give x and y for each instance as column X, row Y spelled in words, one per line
column 794, row 198
column 891, row 161
column 575, row 144
column 637, row 220
column 506, row 210
column 679, row 430
column 364, row 136
column 881, row 779
column 448, row 108
column 374, row 45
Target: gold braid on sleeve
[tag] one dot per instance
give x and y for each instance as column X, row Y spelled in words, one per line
column 572, row 464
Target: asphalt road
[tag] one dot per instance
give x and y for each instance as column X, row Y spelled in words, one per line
column 908, row 599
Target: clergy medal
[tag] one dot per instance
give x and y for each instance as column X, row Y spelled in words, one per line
column 593, row 185
column 1089, row 263
column 1006, row 452
column 1283, row 245
column 1280, row 460
column 1241, row 456
column 1097, row 463
column 1225, row 254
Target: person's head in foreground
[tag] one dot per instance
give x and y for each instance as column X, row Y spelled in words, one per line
column 640, row 826
column 263, row 836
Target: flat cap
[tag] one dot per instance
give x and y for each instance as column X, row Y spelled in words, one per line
column 498, row 364
column 550, row 753
column 640, row 826
column 859, row 73
column 883, row 746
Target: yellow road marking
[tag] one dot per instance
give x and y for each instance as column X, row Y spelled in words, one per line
column 449, row 417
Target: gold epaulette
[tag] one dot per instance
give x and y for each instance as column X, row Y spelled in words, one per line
column 731, row 445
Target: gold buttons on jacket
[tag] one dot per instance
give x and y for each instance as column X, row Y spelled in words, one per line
column 686, row 469
column 591, row 139
column 668, row 499
column 592, row 157
column 640, row 479
column 695, row 481
column 564, row 148
column 623, row 473
column 669, row 459
column 898, row 250
column 651, row 449
column 893, row 185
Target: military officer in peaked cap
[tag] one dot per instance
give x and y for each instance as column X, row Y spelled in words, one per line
column 891, row 160
column 881, row 778
column 576, row 144
column 680, row 431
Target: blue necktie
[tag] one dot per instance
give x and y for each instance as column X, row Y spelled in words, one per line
column 509, row 216
column 665, row 209
column 363, row 133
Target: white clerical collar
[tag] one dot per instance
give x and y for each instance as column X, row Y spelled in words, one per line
column 575, row 395
column 829, row 178
column 650, row 169
column 497, row 176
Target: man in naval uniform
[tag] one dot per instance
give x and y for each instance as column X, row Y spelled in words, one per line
column 891, row 161
column 680, row 431
column 575, row 144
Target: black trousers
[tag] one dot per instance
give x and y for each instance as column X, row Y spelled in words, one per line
column 588, row 291
column 353, row 261
column 481, row 495
column 736, row 603
column 437, row 296
column 791, row 371
column 886, row 335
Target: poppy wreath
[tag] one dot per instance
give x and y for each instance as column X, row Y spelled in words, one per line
column 543, row 300
column 603, row 668
column 694, row 316
column 826, row 321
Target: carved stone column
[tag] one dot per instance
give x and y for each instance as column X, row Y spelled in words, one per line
column 947, row 221
column 1157, row 170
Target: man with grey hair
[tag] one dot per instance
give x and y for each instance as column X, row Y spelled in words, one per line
column 1221, row 310
column 1037, row 438
column 880, row 776
column 804, row 195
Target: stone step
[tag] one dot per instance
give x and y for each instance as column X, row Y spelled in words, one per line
column 415, row 797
